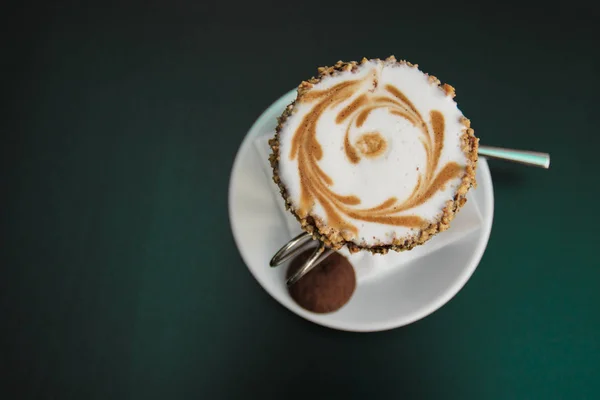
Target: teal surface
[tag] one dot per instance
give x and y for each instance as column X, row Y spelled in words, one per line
column 120, row 277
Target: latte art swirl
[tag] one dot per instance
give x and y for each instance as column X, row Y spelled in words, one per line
column 315, row 183
column 373, row 155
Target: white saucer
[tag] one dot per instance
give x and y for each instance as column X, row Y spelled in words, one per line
column 408, row 291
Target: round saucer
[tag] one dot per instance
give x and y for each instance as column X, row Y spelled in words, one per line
column 398, row 297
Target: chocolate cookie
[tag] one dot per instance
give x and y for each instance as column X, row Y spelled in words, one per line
column 327, row 287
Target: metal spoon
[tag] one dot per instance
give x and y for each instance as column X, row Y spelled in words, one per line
column 532, row 158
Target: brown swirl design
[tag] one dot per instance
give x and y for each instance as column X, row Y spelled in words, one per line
column 371, row 144
column 315, row 183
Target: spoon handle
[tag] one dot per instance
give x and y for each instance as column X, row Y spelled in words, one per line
column 532, row 158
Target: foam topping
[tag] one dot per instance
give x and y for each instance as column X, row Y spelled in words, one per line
column 374, row 153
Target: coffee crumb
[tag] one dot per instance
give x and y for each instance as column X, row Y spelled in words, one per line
column 327, row 287
column 449, row 90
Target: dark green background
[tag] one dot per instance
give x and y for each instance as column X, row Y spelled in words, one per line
column 120, row 277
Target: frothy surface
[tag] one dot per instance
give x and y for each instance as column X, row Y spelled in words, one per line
column 375, row 153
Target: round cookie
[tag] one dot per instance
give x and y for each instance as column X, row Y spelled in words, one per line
column 327, row 287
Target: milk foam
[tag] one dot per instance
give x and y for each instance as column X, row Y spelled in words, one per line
column 396, row 171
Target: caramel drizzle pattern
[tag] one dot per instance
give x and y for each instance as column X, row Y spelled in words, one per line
column 314, row 182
